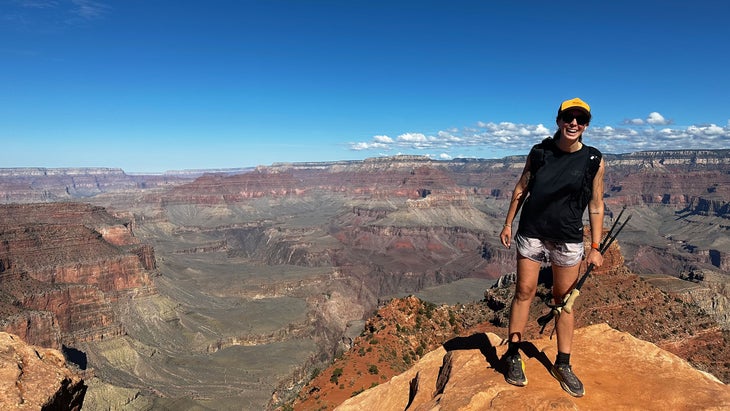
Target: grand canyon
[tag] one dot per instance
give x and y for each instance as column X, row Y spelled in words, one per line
column 301, row 285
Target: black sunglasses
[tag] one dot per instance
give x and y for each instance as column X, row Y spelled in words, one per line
column 581, row 119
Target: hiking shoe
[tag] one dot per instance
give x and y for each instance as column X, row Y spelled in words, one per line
column 515, row 374
column 570, row 383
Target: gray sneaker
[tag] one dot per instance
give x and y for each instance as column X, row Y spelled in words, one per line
column 568, row 380
column 515, row 374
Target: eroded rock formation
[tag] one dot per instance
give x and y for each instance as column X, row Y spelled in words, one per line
column 64, row 264
column 35, row 378
column 331, row 239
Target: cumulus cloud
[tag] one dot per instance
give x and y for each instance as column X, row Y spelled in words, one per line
column 657, row 119
column 412, row 138
column 491, row 139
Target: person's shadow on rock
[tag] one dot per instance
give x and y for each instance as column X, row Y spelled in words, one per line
column 481, row 342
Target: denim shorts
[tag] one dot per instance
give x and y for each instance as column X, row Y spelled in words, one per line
column 560, row 254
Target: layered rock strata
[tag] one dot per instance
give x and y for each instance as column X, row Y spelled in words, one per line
column 64, row 265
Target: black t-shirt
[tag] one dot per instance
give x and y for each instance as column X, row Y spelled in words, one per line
column 555, row 206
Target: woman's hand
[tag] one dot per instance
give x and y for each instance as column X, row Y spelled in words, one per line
column 595, row 257
column 506, row 235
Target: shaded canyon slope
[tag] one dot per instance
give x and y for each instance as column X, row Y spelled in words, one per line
column 222, row 290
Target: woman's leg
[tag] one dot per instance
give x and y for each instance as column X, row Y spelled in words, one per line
column 564, row 279
column 527, row 273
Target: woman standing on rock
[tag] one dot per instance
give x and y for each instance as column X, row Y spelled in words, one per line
column 562, row 176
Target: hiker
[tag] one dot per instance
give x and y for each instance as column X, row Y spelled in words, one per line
column 562, row 176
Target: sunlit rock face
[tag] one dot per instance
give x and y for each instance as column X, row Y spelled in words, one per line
column 64, row 264
column 463, row 375
column 36, row 378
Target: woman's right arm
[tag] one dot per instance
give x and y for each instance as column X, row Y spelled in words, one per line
column 518, row 197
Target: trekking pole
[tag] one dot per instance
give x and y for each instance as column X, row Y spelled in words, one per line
column 570, row 298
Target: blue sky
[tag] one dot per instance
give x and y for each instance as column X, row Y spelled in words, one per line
column 155, row 85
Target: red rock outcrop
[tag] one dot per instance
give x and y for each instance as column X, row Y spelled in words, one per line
column 399, row 177
column 394, row 339
column 612, row 295
column 34, row 378
column 71, row 261
column 466, row 375
column 39, row 326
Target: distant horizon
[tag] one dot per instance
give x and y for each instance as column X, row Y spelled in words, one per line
column 277, row 163
column 154, row 86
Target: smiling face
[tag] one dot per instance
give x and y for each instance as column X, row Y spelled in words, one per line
column 572, row 123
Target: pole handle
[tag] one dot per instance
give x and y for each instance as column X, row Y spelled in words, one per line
column 570, row 300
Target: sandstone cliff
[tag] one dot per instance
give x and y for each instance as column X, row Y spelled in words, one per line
column 618, row 370
column 63, row 267
column 34, row 378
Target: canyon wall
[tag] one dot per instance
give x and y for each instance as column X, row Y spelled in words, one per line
column 362, row 230
column 64, row 266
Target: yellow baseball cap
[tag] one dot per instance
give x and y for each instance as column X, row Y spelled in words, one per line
column 575, row 103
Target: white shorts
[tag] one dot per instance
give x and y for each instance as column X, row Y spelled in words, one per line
column 560, row 254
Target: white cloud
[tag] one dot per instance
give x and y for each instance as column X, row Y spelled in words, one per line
column 540, row 129
column 657, row 119
column 714, row 130
column 490, row 139
column 412, row 137
column 383, row 139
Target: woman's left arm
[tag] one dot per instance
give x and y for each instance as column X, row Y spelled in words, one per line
column 595, row 214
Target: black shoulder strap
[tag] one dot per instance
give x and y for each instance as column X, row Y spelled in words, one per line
column 537, row 155
column 594, row 163
column 537, row 159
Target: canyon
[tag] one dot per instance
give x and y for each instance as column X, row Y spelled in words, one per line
column 230, row 289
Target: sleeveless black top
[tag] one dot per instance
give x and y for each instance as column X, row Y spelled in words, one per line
column 554, row 209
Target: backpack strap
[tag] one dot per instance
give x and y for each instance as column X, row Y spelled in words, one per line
column 592, row 166
column 537, row 159
column 594, row 161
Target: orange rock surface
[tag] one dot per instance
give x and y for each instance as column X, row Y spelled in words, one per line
column 33, row 378
column 618, row 371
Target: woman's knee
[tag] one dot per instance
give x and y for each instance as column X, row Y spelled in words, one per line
column 525, row 292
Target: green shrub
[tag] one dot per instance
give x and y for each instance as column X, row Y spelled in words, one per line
column 336, row 374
